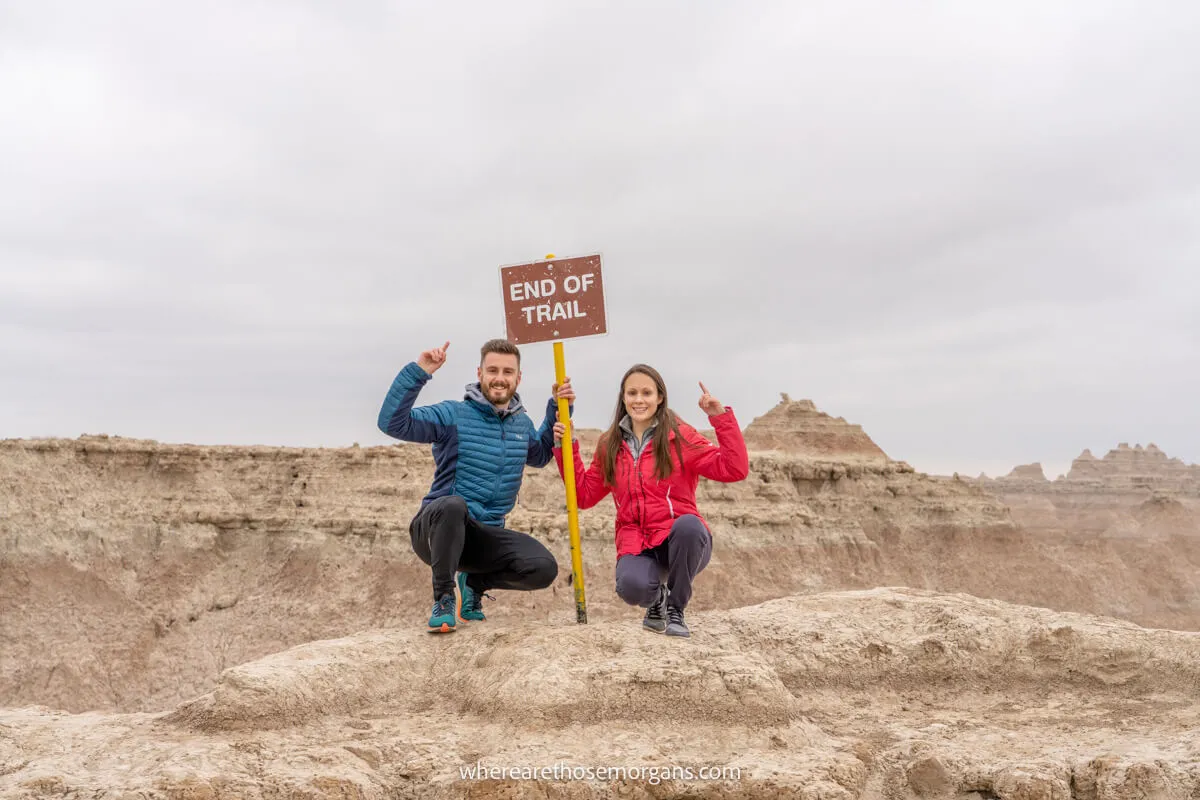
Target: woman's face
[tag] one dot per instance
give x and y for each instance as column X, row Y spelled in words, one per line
column 641, row 398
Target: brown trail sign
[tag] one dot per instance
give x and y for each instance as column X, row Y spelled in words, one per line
column 548, row 301
column 552, row 300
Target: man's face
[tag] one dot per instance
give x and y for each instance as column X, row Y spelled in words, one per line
column 499, row 377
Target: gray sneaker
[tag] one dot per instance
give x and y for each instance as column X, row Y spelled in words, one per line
column 675, row 624
column 656, row 615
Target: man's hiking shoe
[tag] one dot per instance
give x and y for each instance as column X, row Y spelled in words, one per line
column 656, row 615
column 442, row 618
column 470, row 602
column 675, row 624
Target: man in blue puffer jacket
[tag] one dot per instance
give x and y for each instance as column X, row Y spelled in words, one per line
column 481, row 445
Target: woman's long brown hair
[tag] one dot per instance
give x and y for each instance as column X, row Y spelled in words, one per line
column 612, row 440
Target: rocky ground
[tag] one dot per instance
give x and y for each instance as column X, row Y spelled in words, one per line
column 183, row 621
column 877, row 693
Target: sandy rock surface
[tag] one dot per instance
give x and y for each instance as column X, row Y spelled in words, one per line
column 183, row 621
column 877, row 693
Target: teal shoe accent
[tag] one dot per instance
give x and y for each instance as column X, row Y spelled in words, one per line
column 470, row 608
column 442, row 619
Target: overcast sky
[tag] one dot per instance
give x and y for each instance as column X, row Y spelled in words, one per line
column 972, row 228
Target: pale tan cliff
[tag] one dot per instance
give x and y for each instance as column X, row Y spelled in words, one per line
column 1026, row 472
column 1122, row 495
column 169, row 582
column 799, row 428
column 893, row 693
column 1137, row 467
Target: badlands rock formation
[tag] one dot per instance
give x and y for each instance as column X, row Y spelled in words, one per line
column 1137, row 467
column 1124, row 469
column 244, row 622
column 1130, row 492
column 1134, row 500
column 868, row 694
column 1026, row 472
column 797, row 427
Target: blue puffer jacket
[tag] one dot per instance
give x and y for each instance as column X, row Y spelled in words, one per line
column 479, row 453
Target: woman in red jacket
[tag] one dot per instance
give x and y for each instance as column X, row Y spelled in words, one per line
column 651, row 461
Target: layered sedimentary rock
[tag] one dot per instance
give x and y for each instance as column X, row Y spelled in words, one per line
column 1026, row 472
column 798, row 428
column 1134, row 501
column 894, row 693
column 1119, row 495
column 1137, row 468
column 167, row 586
column 133, row 572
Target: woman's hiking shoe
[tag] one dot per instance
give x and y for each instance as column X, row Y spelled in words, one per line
column 675, row 624
column 442, row 618
column 656, row 615
column 470, row 607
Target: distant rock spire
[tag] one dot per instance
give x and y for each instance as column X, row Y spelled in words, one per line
column 796, row 426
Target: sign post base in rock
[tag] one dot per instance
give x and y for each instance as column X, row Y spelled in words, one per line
column 548, row 301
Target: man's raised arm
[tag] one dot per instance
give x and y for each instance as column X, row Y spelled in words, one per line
column 399, row 419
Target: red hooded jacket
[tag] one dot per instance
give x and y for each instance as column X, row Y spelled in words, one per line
column 648, row 507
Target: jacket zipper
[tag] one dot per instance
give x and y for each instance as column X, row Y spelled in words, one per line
column 642, row 504
column 503, row 458
column 670, row 506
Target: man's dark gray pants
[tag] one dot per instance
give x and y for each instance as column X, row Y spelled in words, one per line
column 446, row 538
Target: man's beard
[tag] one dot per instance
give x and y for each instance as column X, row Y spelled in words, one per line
column 508, row 392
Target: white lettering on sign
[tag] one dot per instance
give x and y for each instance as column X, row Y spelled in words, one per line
column 531, row 289
column 573, row 284
column 554, row 299
column 548, row 312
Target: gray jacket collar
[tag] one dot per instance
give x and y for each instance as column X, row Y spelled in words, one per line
column 635, row 444
column 474, row 393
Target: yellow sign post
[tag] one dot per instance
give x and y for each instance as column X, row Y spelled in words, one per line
column 564, row 414
column 549, row 301
column 560, row 371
